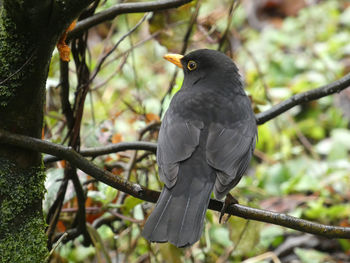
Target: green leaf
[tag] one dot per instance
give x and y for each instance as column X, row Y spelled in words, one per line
column 171, row 253
column 110, row 194
column 271, row 236
column 220, row 235
column 129, row 203
column 310, row 255
column 53, row 177
column 164, row 22
column 100, row 249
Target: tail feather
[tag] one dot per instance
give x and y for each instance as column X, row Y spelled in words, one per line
column 156, row 228
column 179, row 215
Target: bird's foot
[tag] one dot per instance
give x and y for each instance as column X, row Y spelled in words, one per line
column 229, row 200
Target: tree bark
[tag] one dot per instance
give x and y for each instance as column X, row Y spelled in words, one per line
column 29, row 31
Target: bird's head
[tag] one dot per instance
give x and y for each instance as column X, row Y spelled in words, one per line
column 206, row 65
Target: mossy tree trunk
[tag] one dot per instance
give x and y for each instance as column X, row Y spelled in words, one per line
column 29, row 30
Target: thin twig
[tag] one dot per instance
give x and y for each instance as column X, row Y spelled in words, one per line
column 102, row 60
column 234, row 5
column 263, row 257
column 123, row 8
column 259, row 72
column 231, row 249
column 126, row 218
column 113, row 75
column 59, row 241
column 126, row 52
column 183, row 50
column 19, row 69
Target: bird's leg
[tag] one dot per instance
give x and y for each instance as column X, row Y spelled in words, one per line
column 229, row 200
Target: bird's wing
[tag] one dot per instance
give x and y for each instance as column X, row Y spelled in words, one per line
column 176, row 142
column 229, row 150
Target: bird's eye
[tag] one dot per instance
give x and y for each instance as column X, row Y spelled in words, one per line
column 191, row 65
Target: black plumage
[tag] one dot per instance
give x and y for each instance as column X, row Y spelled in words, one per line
column 205, row 143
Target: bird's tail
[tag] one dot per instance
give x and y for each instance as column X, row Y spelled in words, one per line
column 179, row 215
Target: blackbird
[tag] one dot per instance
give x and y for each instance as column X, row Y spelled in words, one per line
column 205, row 144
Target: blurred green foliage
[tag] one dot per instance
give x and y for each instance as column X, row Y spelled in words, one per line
column 302, row 153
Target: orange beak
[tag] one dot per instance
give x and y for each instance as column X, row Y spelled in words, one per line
column 174, row 58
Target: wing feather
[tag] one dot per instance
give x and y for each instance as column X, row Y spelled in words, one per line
column 229, row 151
column 176, row 142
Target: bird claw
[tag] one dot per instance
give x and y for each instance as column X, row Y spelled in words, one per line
column 229, row 200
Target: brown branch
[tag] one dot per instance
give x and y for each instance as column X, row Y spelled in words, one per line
column 149, row 195
column 303, row 97
column 283, row 220
column 64, row 94
column 53, row 214
column 76, row 160
column 113, row 148
column 79, row 220
column 124, row 8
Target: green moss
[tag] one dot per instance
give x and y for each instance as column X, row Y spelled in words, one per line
column 22, row 236
column 5, row 94
column 13, row 54
column 26, row 244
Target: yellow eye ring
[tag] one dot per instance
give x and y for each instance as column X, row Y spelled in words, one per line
column 191, row 65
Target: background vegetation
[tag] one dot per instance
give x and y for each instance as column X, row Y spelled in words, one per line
column 301, row 164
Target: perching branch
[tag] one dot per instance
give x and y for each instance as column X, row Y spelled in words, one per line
column 283, row 220
column 304, row 97
column 145, row 194
column 123, row 8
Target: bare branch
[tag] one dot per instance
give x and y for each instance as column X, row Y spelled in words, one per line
column 149, row 195
column 304, row 97
column 113, row 148
column 124, row 8
column 76, row 160
column 64, row 94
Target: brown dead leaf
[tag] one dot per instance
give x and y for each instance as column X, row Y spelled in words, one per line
column 60, row 226
column 116, row 138
column 287, row 203
column 150, row 117
column 63, row 48
column 345, row 223
column 117, row 171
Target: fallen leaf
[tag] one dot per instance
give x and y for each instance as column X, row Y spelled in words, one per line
column 116, row 138
column 150, row 117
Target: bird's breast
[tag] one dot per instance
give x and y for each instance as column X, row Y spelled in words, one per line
column 204, row 106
